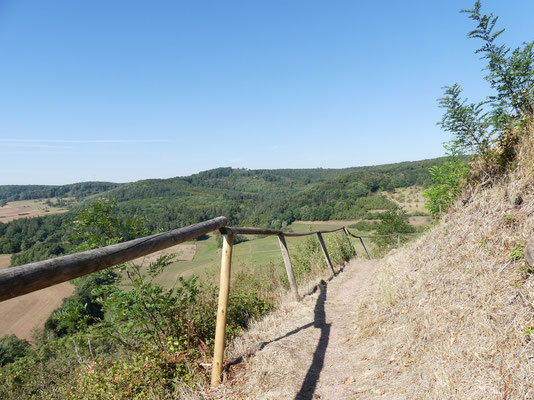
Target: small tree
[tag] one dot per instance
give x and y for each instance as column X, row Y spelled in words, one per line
column 477, row 126
column 395, row 220
column 446, row 179
column 466, row 121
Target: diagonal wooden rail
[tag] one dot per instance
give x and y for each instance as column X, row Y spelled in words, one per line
column 28, row 278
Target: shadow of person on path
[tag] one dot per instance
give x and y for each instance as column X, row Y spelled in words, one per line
column 312, row 376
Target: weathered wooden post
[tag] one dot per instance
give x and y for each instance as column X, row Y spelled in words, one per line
column 398, row 240
column 350, row 241
column 325, row 252
column 365, row 248
column 289, row 267
column 222, row 310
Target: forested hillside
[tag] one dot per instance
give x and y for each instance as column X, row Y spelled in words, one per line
column 76, row 190
column 268, row 198
column 271, row 198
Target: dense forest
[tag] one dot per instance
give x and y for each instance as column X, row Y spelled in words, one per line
column 75, row 190
column 268, row 198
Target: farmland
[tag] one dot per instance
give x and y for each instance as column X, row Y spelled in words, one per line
column 23, row 314
column 258, row 254
column 5, row 259
column 27, row 209
column 292, row 199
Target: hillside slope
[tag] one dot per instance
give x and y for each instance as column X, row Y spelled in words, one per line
column 449, row 316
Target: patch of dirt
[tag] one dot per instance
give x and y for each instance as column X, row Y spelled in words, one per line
column 10, row 213
column 22, row 314
column 5, row 260
column 420, row 220
column 182, row 252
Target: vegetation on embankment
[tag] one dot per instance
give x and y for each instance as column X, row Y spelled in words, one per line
column 123, row 336
column 452, row 316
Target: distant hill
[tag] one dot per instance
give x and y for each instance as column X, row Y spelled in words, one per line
column 76, row 190
column 268, row 198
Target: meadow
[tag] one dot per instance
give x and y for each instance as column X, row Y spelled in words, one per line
column 258, row 254
column 28, row 209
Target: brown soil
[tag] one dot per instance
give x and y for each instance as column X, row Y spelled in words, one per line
column 8, row 213
column 10, row 210
column 5, row 260
column 22, row 314
column 182, row 252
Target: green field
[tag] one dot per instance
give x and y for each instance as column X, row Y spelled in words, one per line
column 256, row 255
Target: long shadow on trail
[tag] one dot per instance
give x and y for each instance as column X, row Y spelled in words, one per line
column 314, row 372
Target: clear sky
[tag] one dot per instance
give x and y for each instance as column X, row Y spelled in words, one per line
column 127, row 90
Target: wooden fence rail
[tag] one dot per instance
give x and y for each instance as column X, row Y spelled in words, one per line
column 27, row 278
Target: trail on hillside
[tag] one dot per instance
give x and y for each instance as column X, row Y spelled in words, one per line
column 309, row 352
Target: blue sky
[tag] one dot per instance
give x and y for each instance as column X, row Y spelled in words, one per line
column 127, row 90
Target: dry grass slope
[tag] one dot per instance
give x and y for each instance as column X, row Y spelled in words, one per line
column 450, row 316
column 455, row 312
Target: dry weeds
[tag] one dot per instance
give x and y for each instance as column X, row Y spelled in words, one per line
column 456, row 315
column 450, row 316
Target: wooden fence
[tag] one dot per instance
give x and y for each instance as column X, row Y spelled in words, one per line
column 23, row 279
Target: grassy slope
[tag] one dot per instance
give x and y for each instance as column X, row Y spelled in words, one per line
column 454, row 312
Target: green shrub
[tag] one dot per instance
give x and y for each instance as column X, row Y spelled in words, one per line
column 309, row 254
column 392, row 221
column 446, row 182
column 364, row 226
column 11, row 348
column 517, row 252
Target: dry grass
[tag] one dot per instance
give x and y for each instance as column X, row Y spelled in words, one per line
column 448, row 317
column 452, row 312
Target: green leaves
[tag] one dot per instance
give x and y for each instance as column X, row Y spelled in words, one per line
column 467, row 122
column 11, row 348
column 98, row 226
column 477, row 126
column 446, row 179
column 394, row 220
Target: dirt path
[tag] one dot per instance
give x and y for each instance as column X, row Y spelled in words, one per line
column 309, row 351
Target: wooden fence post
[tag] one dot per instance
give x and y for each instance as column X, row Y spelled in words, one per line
column 289, row 267
column 224, row 291
column 350, row 241
column 398, row 240
column 325, row 252
column 365, row 248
